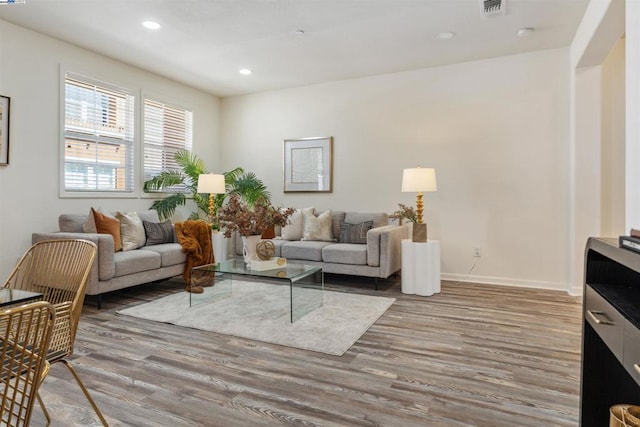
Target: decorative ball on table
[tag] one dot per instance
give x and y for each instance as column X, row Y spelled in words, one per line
column 265, row 249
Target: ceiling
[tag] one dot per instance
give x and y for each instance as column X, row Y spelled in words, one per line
column 204, row 43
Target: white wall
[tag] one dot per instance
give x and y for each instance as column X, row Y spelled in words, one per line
column 496, row 131
column 613, row 142
column 632, row 104
column 590, row 164
column 30, row 75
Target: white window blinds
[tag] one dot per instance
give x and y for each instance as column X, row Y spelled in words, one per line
column 98, row 137
column 167, row 130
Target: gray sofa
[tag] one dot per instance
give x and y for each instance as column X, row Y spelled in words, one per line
column 379, row 257
column 118, row 270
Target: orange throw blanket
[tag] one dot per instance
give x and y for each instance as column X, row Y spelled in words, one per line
column 195, row 238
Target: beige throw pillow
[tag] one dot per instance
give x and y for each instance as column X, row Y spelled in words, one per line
column 90, row 224
column 131, row 230
column 317, row 227
column 293, row 231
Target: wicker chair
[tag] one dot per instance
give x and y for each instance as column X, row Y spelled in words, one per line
column 25, row 333
column 59, row 269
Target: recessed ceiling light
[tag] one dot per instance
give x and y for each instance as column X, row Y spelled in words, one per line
column 445, row 35
column 245, row 71
column 151, row 25
column 524, row 32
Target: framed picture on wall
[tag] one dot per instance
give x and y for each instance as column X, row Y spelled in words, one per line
column 307, row 164
column 4, row 130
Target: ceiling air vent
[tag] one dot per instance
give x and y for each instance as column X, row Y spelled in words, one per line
column 492, row 8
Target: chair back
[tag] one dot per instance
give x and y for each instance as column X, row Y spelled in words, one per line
column 59, row 269
column 25, row 334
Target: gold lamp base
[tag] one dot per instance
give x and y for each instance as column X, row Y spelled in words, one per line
column 419, row 227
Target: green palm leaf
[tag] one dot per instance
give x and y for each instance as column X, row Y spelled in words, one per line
column 164, row 180
column 250, row 188
column 166, row 207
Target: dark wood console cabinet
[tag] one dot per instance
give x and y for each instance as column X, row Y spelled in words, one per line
column 611, row 330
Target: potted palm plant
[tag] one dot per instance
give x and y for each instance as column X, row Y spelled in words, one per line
column 181, row 185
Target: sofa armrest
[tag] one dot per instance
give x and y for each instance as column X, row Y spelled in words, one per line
column 104, row 267
column 383, row 248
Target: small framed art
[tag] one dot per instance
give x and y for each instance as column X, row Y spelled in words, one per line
column 4, row 130
column 307, row 164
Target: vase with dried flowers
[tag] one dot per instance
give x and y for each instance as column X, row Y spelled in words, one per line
column 418, row 230
column 251, row 220
column 405, row 212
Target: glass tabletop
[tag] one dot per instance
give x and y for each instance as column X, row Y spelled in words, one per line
column 306, row 283
column 238, row 266
column 9, row 297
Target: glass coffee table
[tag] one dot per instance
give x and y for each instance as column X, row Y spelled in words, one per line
column 306, row 283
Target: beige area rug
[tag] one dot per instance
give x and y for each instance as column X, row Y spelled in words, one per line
column 260, row 311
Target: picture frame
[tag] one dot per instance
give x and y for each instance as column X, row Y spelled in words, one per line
column 308, row 164
column 5, row 105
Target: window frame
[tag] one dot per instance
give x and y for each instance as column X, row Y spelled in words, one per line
column 135, row 140
column 154, row 97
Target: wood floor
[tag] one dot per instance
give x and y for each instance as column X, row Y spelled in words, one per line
column 474, row 355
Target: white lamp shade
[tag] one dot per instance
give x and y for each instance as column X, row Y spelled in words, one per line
column 211, row 183
column 419, row 179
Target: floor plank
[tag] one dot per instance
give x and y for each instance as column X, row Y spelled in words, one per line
column 473, row 355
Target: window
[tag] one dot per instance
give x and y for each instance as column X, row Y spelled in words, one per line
column 167, row 130
column 98, row 137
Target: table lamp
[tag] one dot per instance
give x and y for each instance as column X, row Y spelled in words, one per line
column 213, row 184
column 419, row 180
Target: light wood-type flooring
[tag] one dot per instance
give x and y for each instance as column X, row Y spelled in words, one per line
column 473, row 355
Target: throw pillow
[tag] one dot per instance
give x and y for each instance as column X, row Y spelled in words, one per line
column 317, row 227
column 108, row 225
column 354, row 233
column 158, row 232
column 293, row 231
column 131, row 231
column 90, row 224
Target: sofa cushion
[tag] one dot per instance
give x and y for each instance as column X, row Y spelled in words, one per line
column 149, row 215
column 379, row 219
column 108, row 225
column 158, row 232
column 310, row 251
column 131, row 230
column 136, row 261
column 355, row 233
column 336, row 220
column 71, row 223
column 278, row 244
column 345, row 253
column 170, row 253
column 317, row 227
column 293, row 231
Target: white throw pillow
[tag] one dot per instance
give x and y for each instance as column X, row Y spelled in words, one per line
column 293, row 231
column 131, row 231
column 317, row 227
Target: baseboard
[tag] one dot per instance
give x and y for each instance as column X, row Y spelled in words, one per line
column 503, row 281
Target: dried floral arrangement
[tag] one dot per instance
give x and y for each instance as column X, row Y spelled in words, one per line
column 407, row 212
column 248, row 220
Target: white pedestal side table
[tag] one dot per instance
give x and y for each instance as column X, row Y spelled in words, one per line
column 420, row 267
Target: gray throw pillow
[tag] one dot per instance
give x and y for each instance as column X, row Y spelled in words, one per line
column 158, row 232
column 354, row 233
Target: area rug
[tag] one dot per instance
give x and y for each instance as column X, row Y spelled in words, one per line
column 260, row 311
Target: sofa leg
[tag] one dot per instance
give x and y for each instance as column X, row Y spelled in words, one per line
column 99, row 301
column 375, row 280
